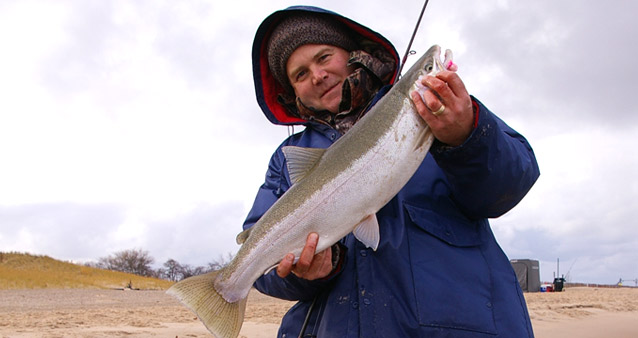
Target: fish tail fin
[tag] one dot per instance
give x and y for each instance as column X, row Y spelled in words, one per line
column 221, row 318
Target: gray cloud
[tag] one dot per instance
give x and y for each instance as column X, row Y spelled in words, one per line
column 198, row 236
column 62, row 230
column 573, row 58
column 79, row 232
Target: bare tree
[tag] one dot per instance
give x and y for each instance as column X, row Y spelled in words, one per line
column 172, row 270
column 189, row 271
column 132, row 261
column 221, row 261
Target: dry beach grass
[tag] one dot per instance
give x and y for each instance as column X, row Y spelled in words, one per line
column 93, row 311
column 25, row 271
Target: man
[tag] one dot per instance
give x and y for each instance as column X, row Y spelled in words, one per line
column 438, row 271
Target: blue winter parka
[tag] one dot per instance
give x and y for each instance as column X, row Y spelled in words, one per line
column 438, row 270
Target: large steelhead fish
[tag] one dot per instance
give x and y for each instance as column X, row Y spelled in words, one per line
column 335, row 191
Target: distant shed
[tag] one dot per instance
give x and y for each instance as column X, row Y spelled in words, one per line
column 528, row 274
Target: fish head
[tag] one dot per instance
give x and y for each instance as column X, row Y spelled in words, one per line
column 431, row 61
column 432, row 64
column 429, row 64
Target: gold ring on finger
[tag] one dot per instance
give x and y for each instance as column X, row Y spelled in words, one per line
column 440, row 111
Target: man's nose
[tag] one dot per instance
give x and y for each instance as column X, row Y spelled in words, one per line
column 318, row 75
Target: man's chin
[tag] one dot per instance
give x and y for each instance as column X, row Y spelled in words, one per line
column 333, row 105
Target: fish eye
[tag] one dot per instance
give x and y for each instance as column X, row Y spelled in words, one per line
column 428, row 68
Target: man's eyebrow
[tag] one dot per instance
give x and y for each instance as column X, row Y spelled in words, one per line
column 314, row 57
column 322, row 51
column 294, row 71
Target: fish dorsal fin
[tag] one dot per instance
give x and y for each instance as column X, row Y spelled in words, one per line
column 243, row 236
column 301, row 160
column 367, row 232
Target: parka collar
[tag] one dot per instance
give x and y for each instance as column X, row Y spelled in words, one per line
column 267, row 88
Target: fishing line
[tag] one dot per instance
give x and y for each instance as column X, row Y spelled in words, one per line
column 307, row 319
column 408, row 52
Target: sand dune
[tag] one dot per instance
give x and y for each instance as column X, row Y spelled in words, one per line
column 577, row 312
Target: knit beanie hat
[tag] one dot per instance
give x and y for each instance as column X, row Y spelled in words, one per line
column 302, row 29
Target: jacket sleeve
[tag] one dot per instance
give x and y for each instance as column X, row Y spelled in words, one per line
column 492, row 171
column 291, row 287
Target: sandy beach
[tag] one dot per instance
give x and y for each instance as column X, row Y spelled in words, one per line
column 578, row 312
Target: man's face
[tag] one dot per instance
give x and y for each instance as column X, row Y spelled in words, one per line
column 316, row 73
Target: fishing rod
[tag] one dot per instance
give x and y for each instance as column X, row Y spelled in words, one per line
column 407, row 51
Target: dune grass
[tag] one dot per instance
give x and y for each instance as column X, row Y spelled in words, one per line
column 26, row 271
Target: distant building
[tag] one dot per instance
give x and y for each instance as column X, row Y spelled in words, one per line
column 528, row 274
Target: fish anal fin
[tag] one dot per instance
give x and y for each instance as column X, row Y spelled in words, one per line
column 367, row 232
column 271, row 268
column 295, row 260
column 301, row 160
column 221, row 318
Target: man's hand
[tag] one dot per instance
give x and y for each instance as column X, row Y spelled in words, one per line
column 309, row 266
column 446, row 107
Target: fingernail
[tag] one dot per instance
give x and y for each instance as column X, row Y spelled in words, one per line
column 314, row 237
column 290, row 257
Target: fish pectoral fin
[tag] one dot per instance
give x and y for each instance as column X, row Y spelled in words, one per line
column 243, row 236
column 301, row 160
column 367, row 232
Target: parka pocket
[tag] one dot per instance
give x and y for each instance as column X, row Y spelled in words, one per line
column 451, row 277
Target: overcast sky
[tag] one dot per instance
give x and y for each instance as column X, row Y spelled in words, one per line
column 134, row 124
